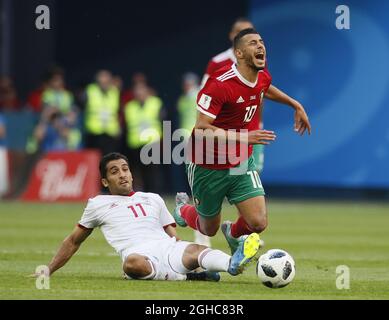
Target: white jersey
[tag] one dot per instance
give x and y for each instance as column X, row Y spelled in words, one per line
column 128, row 221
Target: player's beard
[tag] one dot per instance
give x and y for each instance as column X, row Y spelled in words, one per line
column 255, row 66
column 122, row 190
column 252, row 65
column 126, row 190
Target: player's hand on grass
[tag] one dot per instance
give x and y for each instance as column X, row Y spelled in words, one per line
column 261, row 137
column 301, row 121
column 38, row 274
column 33, row 275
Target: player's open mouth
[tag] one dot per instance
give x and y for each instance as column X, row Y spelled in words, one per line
column 123, row 182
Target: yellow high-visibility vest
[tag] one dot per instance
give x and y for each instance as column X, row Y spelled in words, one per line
column 101, row 114
column 61, row 99
column 187, row 112
column 143, row 122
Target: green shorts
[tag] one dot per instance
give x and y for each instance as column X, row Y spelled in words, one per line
column 259, row 156
column 210, row 186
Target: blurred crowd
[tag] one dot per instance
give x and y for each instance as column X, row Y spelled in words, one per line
column 103, row 115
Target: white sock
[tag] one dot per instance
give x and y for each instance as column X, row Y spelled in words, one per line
column 214, row 260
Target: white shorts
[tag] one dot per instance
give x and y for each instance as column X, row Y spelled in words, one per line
column 165, row 255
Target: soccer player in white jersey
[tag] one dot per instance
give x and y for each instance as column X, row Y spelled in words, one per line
column 142, row 231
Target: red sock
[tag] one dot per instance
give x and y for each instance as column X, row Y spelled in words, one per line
column 189, row 214
column 240, row 228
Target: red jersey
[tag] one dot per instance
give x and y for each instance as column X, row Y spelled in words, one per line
column 234, row 103
column 225, row 58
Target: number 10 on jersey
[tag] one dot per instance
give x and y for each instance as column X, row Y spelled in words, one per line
column 255, row 179
column 250, row 111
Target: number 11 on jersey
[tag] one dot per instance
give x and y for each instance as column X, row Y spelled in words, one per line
column 135, row 211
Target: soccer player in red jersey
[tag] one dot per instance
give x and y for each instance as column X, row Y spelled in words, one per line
column 227, row 105
column 227, row 58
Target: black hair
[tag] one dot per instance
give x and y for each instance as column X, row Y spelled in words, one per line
column 241, row 34
column 240, row 19
column 52, row 71
column 54, row 116
column 107, row 158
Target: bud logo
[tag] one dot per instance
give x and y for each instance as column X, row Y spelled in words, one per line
column 57, row 183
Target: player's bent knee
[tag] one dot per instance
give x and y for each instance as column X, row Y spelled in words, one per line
column 209, row 227
column 194, row 249
column 259, row 225
column 190, row 256
column 210, row 232
column 134, row 266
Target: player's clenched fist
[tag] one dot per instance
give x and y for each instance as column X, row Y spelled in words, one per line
column 261, row 137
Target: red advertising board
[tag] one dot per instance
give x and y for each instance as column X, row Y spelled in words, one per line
column 65, row 176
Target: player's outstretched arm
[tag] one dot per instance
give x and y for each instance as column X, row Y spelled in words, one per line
column 68, row 248
column 301, row 121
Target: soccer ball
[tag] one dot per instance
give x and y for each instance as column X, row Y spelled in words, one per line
column 276, row 268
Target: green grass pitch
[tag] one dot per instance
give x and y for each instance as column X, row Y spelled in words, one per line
column 319, row 235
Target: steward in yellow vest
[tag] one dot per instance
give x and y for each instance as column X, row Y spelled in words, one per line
column 143, row 119
column 101, row 113
column 101, row 120
column 186, row 104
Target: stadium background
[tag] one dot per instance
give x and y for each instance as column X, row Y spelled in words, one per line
column 343, row 87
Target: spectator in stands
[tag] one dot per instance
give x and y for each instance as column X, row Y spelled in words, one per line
column 57, row 128
column 61, row 101
column 34, row 100
column 117, row 81
column 52, row 133
column 102, row 102
column 143, row 117
column 8, row 96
